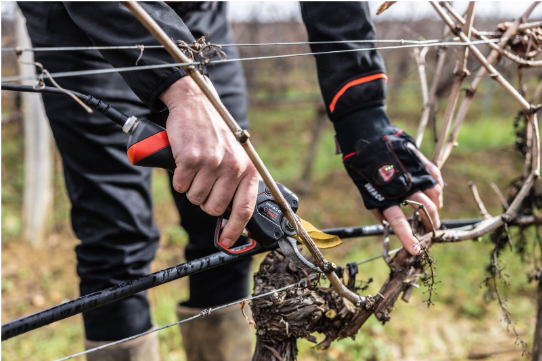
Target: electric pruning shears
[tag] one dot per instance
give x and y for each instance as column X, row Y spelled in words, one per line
column 149, row 146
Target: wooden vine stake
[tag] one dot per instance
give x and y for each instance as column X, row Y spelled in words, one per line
column 243, row 137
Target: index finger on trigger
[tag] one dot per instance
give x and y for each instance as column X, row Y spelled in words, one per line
column 242, row 210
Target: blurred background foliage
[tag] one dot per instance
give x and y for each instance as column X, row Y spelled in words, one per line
column 284, row 101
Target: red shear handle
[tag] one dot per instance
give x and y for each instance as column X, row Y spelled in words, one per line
column 243, row 250
column 148, row 146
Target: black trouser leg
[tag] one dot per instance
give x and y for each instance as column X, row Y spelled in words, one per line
column 111, row 199
column 229, row 282
column 112, row 216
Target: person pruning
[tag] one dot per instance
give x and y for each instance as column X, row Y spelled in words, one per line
column 111, row 199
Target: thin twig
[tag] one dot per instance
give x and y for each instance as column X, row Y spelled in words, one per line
column 534, row 24
column 40, row 83
column 528, row 141
column 496, row 271
column 481, row 58
column 419, row 56
column 483, row 211
column 141, row 49
column 503, row 200
column 428, row 110
column 422, row 207
column 249, row 320
column 508, row 236
column 385, row 5
column 532, row 121
column 427, row 261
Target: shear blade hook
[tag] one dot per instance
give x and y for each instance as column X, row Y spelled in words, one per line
column 288, row 245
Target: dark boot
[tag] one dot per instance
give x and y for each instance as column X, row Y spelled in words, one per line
column 224, row 335
column 140, row 349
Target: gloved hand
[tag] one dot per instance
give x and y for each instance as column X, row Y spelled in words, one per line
column 387, row 168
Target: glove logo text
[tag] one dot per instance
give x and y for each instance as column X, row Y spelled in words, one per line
column 374, row 193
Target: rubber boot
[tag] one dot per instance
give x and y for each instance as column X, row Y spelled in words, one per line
column 224, row 335
column 144, row 348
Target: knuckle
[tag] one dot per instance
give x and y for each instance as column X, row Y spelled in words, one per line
column 436, row 191
column 251, row 169
column 395, row 220
column 233, row 166
column 431, row 208
column 252, row 173
column 191, row 160
column 195, row 199
column 244, row 211
column 212, row 161
column 213, row 209
column 178, row 186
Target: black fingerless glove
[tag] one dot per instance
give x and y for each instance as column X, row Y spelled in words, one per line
column 380, row 162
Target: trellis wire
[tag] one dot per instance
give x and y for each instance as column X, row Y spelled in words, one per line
column 127, row 47
column 147, row 67
column 208, row 311
column 205, row 312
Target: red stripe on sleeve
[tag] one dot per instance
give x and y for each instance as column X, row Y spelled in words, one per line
column 350, row 84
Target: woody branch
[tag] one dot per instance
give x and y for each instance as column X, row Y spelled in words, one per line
column 480, row 75
column 460, row 73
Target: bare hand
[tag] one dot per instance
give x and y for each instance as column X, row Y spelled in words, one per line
column 431, row 198
column 212, row 167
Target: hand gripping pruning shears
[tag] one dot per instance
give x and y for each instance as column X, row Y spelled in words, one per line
column 268, row 226
column 149, row 146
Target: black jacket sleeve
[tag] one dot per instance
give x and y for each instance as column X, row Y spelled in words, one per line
column 351, row 80
column 109, row 23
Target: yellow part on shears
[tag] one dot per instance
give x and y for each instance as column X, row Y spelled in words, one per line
column 321, row 239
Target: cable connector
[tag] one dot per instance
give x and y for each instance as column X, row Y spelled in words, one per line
column 130, row 125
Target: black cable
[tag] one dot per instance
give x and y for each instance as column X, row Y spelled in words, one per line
column 47, row 89
column 106, row 109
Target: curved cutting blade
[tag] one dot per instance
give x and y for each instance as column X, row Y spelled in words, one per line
column 288, row 245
